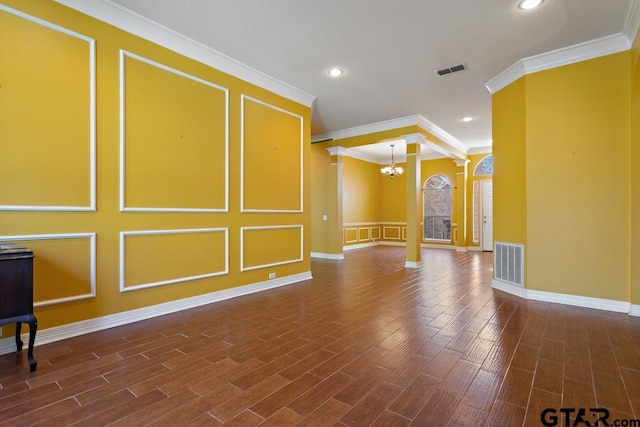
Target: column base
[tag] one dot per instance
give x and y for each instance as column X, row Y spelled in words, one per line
column 412, row 264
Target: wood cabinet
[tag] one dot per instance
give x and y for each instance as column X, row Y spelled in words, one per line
column 16, row 293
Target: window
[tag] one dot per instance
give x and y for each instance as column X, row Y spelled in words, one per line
column 485, row 167
column 437, row 208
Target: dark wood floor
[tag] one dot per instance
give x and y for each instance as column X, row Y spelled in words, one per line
column 366, row 342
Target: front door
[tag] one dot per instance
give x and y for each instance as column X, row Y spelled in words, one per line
column 487, row 215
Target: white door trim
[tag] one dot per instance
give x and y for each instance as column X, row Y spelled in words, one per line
column 486, row 245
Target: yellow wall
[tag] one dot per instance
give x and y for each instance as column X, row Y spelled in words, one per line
column 185, row 125
column 578, row 178
column 562, row 173
column 361, row 191
column 509, row 164
column 444, row 167
column 393, row 205
column 324, row 201
column 634, row 235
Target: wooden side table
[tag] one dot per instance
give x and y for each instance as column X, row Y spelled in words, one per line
column 16, row 294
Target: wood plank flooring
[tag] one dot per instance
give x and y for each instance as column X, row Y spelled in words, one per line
column 366, row 342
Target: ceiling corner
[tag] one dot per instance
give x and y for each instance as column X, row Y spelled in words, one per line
column 632, row 23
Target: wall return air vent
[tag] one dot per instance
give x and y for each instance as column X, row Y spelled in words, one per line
column 508, row 260
column 450, row 70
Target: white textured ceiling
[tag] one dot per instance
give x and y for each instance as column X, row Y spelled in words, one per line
column 389, row 50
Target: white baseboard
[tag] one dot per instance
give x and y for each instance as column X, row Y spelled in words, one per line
column 388, row 243
column 360, row 246
column 326, row 256
column 574, row 300
column 509, row 288
column 469, row 249
column 57, row 333
column 437, row 246
column 580, row 301
column 412, row 264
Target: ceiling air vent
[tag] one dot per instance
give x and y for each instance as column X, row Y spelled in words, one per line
column 450, row 70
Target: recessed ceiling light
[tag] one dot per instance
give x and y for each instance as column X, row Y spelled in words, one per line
column 336, row 72
column 467, row 119
column 529, row 4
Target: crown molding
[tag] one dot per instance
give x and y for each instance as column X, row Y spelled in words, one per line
column 440, row 152
column 556, row 58
column 481, row 150
column 337, row 151
column 632, row 23
column 506, row 77
column 414, row 120
column 445, row 136
column 366, row 129
column 362, row 156
column 576, row 53
column 138, row 25
column 414, row 138
column 354, row 154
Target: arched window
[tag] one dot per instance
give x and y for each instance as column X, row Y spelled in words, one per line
column 437, row 208
column 485, row 167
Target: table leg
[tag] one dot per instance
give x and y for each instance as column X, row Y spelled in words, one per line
column 33, row 327
column 18, row 340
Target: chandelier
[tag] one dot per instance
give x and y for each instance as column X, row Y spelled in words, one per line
column 392, row 170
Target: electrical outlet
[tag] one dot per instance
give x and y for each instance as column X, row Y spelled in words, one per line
column 272, row 275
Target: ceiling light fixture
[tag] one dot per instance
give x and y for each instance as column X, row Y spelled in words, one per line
column 529, row 4
column 335, row 72
column 467, row 119
column 392, row 170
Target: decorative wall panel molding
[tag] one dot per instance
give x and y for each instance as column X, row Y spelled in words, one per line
column 391, row 233
column 364, row 234
column 256, row 245
column 174, row 139
column 164, row 257
column 60, row 275
column 61, row 174
column 376, row 233
column 272, row 158
column 350, row 235
column 357, row 232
